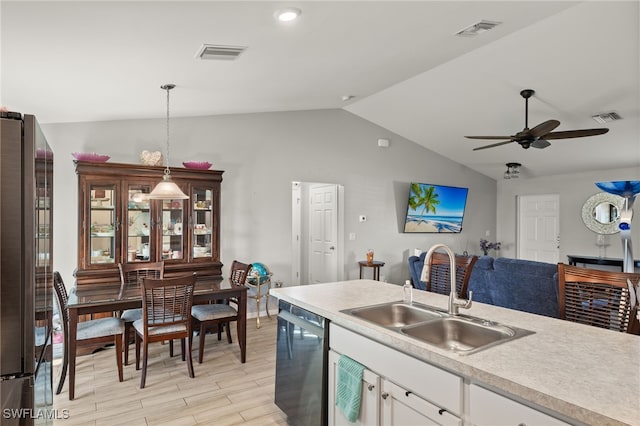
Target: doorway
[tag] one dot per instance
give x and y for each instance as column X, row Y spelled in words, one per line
column 539, row 228
column 317, row 235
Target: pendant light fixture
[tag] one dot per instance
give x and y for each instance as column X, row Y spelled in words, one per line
column 167, row 189
column 513, row 171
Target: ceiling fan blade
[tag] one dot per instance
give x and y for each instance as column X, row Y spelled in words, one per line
column 540, row 143
column 492, row 145
column 490, row 137
column 567, row 134
column 543, row 128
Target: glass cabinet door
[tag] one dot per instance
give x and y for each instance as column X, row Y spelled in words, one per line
column 202, row 221
column 104, row 223
column 43, row 226
column 139, row 224
column 172, row 223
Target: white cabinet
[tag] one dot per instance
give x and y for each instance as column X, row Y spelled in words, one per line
column 404, row 391
column 401, row 407
column 487, row 408
column 370, row 405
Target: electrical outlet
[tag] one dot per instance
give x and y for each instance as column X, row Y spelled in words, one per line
column 352, row 236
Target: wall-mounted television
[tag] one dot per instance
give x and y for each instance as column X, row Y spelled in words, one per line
column 435, row 208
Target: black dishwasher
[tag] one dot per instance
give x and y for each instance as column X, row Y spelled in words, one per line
column 302, row 349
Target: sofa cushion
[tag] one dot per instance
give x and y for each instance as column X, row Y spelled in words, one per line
column 480, row 281
column 521, row 266
column 524, row 285
column 536, row 294
column 415, row 270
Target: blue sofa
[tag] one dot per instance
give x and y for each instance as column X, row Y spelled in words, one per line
column 518, row 284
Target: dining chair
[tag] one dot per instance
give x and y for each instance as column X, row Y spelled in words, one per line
column 439, row 280
column 166, row 315
column 131, row 275
column 599, row 298
column 219, row 314
column 99, row 330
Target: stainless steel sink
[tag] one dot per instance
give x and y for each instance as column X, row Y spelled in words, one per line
column 462, row 334
column 396, row 314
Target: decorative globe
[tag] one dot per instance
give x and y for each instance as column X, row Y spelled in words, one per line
column 258, row 270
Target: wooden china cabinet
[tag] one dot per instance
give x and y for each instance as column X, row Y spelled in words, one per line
column 117, row 223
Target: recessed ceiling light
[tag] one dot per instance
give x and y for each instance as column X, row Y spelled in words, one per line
column 287, row 14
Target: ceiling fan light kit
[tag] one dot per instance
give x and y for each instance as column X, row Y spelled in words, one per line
column 538, row 136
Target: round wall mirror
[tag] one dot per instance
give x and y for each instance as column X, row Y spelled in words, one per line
column 601, row 213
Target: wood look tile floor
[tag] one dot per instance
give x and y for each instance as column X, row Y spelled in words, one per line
column 223, row 392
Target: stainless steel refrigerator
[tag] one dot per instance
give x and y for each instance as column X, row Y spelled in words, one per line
column 26, row 276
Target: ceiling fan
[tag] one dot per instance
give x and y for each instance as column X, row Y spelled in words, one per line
column 539, row 136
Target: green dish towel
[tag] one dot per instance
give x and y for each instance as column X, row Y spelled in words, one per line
column 349, row 387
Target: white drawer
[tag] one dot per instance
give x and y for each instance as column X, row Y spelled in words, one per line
column 487, row 408
column 432, row 383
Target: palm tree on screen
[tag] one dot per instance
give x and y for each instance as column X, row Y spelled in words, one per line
column 423, row 196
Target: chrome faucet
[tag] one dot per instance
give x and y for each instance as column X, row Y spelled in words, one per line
column 454, row 301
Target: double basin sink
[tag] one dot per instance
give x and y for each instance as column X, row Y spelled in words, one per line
column 461, row 334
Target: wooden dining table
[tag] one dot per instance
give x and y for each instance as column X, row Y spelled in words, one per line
column 104, row 298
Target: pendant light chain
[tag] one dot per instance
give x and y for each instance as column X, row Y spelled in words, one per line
column 167, row 87
column 167, row 189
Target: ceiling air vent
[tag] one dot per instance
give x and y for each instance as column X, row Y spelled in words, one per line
column 606, row 117
column 478, row 28
column 219, row 52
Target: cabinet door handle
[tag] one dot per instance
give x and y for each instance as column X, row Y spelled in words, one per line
column 384, row 395
column 370, row 387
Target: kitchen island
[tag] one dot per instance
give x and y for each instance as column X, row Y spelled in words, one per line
column 576, row 373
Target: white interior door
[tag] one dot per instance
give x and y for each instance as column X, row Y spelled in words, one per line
column 323, row 233
column 539, row 227
column 296, row 233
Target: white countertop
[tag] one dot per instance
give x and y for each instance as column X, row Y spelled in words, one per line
column 583, row 372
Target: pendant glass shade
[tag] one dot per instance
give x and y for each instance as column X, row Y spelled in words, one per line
column 623, row 188
column 167, row 189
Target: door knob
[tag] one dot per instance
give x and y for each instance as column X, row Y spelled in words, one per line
column 332, row 248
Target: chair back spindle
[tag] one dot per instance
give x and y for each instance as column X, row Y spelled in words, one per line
column 598, row 298
column 167, row 301
column 440, row 278
column 132, row 274
column 239, row 272
column 62, row 297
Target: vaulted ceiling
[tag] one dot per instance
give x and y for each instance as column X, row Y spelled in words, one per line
column 401, row 62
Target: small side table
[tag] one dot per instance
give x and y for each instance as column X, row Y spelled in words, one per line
column 376, row 265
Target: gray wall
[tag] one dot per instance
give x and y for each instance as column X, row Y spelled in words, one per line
column 261, row 155
column 574, row 189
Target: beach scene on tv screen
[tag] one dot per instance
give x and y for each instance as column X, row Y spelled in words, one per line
column 435, row 208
